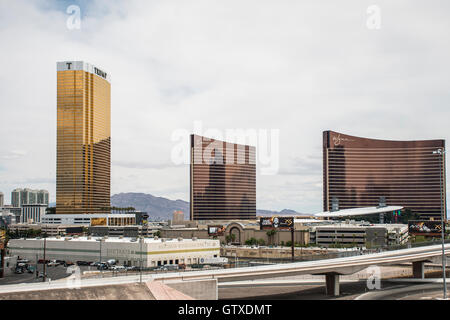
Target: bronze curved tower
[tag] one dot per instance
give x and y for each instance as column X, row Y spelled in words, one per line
column 358, row 171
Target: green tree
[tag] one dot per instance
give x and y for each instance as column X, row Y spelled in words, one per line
column 252, row 241
column 271, row 235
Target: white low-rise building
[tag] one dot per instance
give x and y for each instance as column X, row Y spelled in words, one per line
column 126, row 251
column 97, row 219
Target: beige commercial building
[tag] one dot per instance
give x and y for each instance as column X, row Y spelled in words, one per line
column 126, row 251
column 235, row 232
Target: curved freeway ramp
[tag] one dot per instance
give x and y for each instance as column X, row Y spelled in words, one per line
column 331, row 268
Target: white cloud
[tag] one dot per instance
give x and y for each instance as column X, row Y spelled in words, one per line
column 301, row 67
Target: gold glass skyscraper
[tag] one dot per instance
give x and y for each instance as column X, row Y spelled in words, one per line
column 83, row 164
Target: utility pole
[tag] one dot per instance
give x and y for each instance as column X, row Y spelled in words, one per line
column 441, row 152
column 140, row 269
column 2, row 252
column 2, row 257
column 45, row 261
column 37, row 272
column 100, row 254
column 292, row 244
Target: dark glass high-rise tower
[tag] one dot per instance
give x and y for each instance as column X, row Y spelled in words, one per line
column 223, row 180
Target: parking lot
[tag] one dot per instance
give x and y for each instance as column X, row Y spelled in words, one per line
column 53, row 273
column 86, row 270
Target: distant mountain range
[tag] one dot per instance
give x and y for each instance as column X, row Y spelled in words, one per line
column 160, row 208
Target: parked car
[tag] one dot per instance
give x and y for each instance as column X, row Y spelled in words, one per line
column 41, row 275
column 18, row 270
column 133, row 268
column 83, row 263
column 171, row 266
column 23, row 261
column 53, row 263
column 42, row 261
column 68, row 263
column 111, row 262
column 102, row 266
column 161, row 268
column 118, row 268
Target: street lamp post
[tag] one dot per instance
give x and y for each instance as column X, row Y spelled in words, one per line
column 100, row 253
column 441, row 152
column 141, row 240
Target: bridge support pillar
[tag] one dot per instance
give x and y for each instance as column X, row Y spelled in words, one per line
column 418, row 269
column 332, row 284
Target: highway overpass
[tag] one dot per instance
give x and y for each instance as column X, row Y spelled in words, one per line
column 330, row 268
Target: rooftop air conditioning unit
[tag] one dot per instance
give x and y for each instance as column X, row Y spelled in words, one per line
column 155, row 237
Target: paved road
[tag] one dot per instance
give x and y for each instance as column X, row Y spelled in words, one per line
column 405, row 292
column 306, row 291
column 54, row 273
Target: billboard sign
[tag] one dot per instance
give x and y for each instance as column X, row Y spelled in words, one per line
column 425, row 227
column 216, row 230
column 279, row 223
column 74, row 230
column 98, row 222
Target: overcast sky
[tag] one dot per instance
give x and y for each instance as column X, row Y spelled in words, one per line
column 297, row 66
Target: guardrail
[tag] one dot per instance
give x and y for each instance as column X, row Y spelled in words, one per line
column 250, row 262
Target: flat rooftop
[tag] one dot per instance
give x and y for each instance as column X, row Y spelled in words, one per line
column 358, row 211
column 115, row 239
column 356, row 225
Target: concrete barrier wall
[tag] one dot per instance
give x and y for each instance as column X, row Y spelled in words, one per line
column 199, row 289
column 132, row 291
